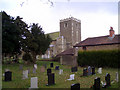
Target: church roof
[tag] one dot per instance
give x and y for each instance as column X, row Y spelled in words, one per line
column 102, row 40
column 67, row 52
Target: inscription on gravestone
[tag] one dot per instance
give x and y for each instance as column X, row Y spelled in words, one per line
column 8, row 76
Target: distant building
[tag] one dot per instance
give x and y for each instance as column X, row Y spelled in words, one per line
column 70, row 34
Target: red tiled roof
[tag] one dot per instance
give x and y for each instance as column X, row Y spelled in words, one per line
column 103, row 40
column 67, row 52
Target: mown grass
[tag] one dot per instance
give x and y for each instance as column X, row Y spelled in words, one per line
column 60, row 80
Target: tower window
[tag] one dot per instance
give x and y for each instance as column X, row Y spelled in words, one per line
column 66, row 25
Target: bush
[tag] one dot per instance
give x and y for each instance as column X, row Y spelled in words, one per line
column 104, row 58
column 27, row 57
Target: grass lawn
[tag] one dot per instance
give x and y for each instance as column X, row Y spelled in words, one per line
column 60, row 80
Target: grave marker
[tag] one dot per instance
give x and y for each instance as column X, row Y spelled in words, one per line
column 20, row 67
column 85, row 72
column 57, row 68
column 34, row 70
column 51, row 64
column 107, row 79
column 25, row 74
column 89, row 70
column 8, row 76
column 48, row 71
column 74, row 69
column 93, row 70
column 60, row 71
column 51, row 79
column 100, row 70
column 71, row 77
column 75, row 86
column 34, row 82
column 96, row 85
column 42, row 69
column 117, row 77
column 35, row 66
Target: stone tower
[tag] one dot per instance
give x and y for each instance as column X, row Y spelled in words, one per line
column 70, row 29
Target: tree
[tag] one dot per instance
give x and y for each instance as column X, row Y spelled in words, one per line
column 37, row 42
column 10, row 36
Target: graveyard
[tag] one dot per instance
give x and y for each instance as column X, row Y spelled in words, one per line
column 59, row 79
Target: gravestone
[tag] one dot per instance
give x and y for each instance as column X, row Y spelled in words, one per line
column 57, row 68
column 60, row 71
column 45, row 65
column 85, row 72
column 89, row 70
column 20, row 67
column 42, row 69
column 7, row 70
column 35, row 66
column 71, row 77
column 75, row 86
column 93, row 70
column 34, row 82
column 34, row 70
column 8, row 76
column 51, row 79
column 48, row 71
column 96, row 85
column 117, row 77
column 74, row 69
column 100, row 70
column 25, row 74
column 51, row 64
column 107, row 79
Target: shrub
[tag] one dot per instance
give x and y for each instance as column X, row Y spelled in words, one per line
column 27, row 57
column 104, row 58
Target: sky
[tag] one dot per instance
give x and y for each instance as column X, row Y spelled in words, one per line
column 97, row 16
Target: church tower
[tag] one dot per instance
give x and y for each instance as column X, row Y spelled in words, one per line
column 70, row 29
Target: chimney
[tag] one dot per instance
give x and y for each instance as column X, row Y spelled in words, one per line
column 111, row 32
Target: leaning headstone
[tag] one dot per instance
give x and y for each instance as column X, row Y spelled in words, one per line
column 51, row 79
column 74, row 69
column 25, row 74
column 34, row 70
column 51, row 64
column 100, row 70
column 107, row 79
column 42, row 69
column 57, row 68
column 117, row 77
column 8, row 76
column 89, row 70
column 96, row 85
column 60, row 71
column 93, row 70
column 34, row 82
column 20, row 67
column 48, row 71
column 71, row 77
column 35, row 66
column 75, row 86
column 85, row 72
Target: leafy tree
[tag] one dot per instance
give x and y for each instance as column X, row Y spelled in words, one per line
column 36, row 42
column 10, row 36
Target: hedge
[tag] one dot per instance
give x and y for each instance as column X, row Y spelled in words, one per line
column 103, row 58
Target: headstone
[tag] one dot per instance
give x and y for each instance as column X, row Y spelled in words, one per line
column 93, row 70
column 96, row 85
column 117, row 77
column 100, row 70
column 60, row 71
column 45, row 65
column 51, row 79
column 34, row 82
column 7, row 70
column 20, row 67
column 89, row 70
column 74, row 69
column 85, row 72
column 8, row 76
column 51, row 64
column 75, row 86
column 48, row 71
column 25, row 74
column 35, row 66
column 57, row 68
column 71, row 77
column 34, row 70
column 42, row 69
column 107, row 79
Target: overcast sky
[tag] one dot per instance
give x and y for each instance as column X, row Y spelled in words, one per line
column 96, row 15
